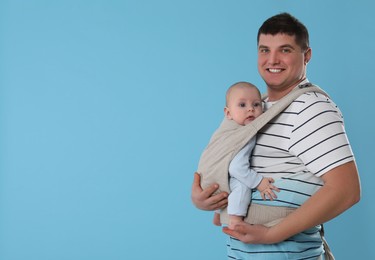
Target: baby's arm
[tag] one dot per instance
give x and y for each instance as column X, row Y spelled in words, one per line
column 266, row 188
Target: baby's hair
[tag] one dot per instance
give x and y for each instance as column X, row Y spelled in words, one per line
column 241, row 84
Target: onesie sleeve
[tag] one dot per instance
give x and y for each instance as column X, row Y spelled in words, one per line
column 239, row 167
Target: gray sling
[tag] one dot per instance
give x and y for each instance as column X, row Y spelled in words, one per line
column 228, row 140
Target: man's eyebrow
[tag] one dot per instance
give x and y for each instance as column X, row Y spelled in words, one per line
column 280, row 47
column 287, row 46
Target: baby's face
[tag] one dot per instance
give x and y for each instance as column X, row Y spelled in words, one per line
column 244, row 105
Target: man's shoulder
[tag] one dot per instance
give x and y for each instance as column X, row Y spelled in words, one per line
column 313, row 102
column 312, row 96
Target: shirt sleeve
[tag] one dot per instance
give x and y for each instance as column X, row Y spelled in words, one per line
column 318, row 137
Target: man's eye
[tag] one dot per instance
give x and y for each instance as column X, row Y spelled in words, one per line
column 263, row 50
column 286, row 50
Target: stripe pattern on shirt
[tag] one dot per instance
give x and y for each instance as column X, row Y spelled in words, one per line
column 300, row 145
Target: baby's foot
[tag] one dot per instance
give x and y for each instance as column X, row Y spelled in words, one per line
column 234, row 220
column 216, row 220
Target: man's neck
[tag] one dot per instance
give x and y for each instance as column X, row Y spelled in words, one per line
column 275, row 94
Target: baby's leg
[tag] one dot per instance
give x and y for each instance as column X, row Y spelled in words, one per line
column 238, row 201
column 216, row 220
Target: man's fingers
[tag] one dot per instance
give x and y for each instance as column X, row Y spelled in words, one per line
column 204, row 198
column 217, row 201
column 238, row 231
column 207, row 192
column 196, row 188
column 222, row 200
column 197, row 180
column 230, row 232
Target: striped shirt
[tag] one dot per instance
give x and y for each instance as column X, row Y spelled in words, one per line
column 296, row 148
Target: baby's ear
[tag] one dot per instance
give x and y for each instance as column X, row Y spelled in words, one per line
column 227, row 113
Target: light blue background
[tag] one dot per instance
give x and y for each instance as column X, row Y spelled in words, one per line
column 105, row 107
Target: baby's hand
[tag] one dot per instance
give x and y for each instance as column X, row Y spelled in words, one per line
column 266, row 189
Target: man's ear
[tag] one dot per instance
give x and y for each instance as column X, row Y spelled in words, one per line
column 308, row 54
column 227, row 113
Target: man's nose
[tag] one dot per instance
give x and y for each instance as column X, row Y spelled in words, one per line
column 273, row 57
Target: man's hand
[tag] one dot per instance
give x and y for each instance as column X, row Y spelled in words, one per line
column 203, row 199
column 250, row 234
column 340, row 191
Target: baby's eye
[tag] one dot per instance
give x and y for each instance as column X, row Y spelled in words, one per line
column 257, row 104
column 242, row 105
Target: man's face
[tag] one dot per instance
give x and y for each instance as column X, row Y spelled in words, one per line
column 281, row 63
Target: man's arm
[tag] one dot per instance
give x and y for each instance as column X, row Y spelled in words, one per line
column 341, row 190
column 203, row 199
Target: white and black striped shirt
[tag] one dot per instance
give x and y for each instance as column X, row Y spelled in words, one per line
column 296, row 148
column 301, row 144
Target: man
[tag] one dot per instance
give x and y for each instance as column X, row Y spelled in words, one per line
column 305, row 147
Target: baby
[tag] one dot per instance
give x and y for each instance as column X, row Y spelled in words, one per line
column 243, row 105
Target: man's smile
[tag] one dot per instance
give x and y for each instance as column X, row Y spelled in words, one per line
column 274, row 70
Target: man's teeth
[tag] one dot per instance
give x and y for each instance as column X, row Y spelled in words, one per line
column 274, row 70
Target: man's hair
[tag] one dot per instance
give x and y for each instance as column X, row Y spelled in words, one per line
column 285, row 23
